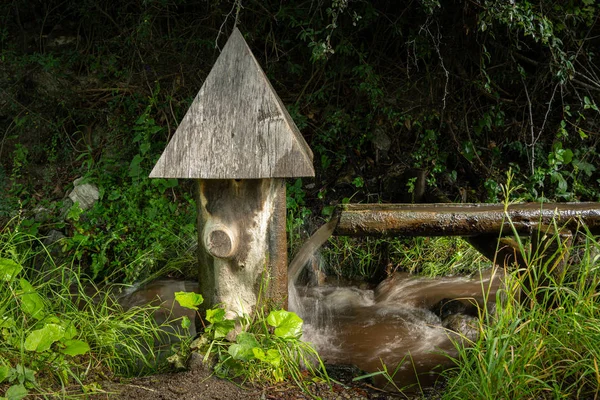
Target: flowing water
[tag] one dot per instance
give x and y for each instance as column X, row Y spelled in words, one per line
column 406, row 322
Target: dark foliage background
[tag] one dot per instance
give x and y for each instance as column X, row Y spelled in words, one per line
column 401, row 101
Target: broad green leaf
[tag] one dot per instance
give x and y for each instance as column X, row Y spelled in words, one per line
column 586, row 167
column 25, row 374
column 16, row 392
column 70, row 330
column 134, row 166
column 567, row 156
column 5, row 372
column 75, row 347
column 9, row 269
column 189, row 300
column 31, row 302
column 271, row 356
column 41, row 339
column 185, row 322
column 222, row 328
column 215, row 315
column 242, row 350
column 286, row 323
column 7, row 322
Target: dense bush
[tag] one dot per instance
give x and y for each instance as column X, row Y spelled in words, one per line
column 459, row 90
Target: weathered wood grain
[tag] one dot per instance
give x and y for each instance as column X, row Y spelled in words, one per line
column 462, row 219
column 237, row 127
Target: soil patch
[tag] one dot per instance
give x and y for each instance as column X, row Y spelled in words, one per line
column 201, row 384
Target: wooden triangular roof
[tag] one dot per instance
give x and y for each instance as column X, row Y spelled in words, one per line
column 237, row 127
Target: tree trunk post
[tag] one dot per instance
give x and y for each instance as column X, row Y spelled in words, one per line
column 239, row 142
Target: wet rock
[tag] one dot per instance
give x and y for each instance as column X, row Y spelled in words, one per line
column 381, row 141
column 447, row 307
column 86, row 194
column 464, row 325
column 53, row 237
column 41, row 214
column 344, row 373
column 66, row 206
column 198, row 362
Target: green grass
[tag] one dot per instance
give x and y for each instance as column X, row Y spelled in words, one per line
column 544, row 339
column 364, row 258
column 60, row 333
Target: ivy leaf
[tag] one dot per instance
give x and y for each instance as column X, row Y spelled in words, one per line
column 31, row 302
column 185, row 322
column 271, row 356
column 41, row 339
column 16, row 392
column 5, row 372
column 74, row 212
column 134, row 167
column 9, row 269
column 215, row 315
column 243, row 349
column 286, row 323
column 222, row 328
column 586, row 167
column 144, row 147
column 75, row 347
column 189, row 300
column 567, row 156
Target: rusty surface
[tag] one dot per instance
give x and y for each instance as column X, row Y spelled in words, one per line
column 277, row 289
column 462, row 219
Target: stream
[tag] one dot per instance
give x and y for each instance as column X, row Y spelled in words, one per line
column 406, row 322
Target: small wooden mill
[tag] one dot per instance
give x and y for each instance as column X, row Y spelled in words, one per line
column 239, row 142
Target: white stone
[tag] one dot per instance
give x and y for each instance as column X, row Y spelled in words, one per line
column 85, row 194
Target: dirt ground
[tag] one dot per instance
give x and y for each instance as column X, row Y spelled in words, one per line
column 199, row 384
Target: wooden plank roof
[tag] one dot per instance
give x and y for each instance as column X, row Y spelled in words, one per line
column 237, row 127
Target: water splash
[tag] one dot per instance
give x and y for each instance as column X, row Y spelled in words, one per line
column 406, row 322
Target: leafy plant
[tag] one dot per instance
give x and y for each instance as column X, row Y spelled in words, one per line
column 31, row 328
column 297, row 212
column 54, row 327
column 266, row 348
column 542, row 337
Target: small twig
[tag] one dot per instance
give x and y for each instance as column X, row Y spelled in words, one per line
column 6, row 133
column 120, row 89
column 375, row 388
column 586, row 85
column 531, row 126
column 436, row 45
column 236, row 4
column 140, row 387
column 487, row 170
column 108, row 16
column 547, row 112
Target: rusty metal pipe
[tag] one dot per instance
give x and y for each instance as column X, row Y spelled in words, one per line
column 462, row 219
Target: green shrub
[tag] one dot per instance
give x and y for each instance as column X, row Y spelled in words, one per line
column 59, row 333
